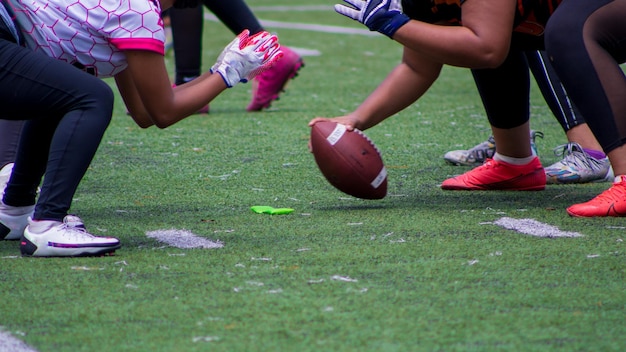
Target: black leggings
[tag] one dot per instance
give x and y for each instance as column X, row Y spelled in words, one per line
column 586, row 41
column 187, row 27
column 9, row 137
column 67, row 111
column 505, row 91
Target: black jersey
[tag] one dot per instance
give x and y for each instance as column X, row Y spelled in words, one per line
column 531, row 16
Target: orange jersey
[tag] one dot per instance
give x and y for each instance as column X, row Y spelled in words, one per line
column 531, row 16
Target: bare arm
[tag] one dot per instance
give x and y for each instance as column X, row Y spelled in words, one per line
column 482, row 42
column 147, row 92
column 151, row 100
column 403, row 86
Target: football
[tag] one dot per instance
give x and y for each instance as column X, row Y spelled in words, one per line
column 349, row 160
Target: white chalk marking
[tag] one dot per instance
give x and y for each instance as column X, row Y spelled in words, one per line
column 533, row 227
column 183, row 239
column 85, row 268
column 205, row 339
column 9, row 343
column 343, row 278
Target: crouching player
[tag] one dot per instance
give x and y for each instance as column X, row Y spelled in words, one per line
column 55, row 88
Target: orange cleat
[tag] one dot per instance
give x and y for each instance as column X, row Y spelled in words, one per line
column 611, row 202
column 498, row 175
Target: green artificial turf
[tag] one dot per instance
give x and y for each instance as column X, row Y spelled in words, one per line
column 420, row 270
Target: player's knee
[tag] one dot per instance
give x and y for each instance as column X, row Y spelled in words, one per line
column 100, row 96
column 560, row 35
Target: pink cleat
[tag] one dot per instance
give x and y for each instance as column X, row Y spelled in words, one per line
column 203, row 110
column 267, row 85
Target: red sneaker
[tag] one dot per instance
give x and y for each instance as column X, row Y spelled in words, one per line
column 611, row 202
column 498, row 175
column 267, row 85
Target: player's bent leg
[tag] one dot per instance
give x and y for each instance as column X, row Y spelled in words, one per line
column 483, row 151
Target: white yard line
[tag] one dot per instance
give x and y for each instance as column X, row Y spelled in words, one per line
column 533, row 227
column 311, row 27
column 9, row 343
column 183, row 239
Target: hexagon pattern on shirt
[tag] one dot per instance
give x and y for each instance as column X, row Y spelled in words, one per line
column 91, row 34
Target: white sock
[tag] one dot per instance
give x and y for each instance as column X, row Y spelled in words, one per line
column 15, row 211
column 40, row 226
column 512, row 160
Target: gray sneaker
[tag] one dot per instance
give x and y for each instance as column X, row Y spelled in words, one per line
column 479, row 153
column 577, row 166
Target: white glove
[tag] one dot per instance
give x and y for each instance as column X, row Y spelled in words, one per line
column 245, row 57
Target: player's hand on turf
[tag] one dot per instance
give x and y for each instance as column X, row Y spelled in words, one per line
column 247, row 56
column 384, row 16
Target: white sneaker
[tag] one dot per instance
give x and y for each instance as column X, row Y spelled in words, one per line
column 5, row 174
column 57, row 239
column 74, row 221
column 13, row 220
column 578, row 167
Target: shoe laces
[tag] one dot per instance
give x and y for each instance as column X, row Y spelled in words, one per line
column 484, row 150
column 573, row 154
column 535, row 134
column 75, row 232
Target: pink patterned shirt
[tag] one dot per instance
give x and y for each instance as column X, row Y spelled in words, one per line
column 91, row 34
